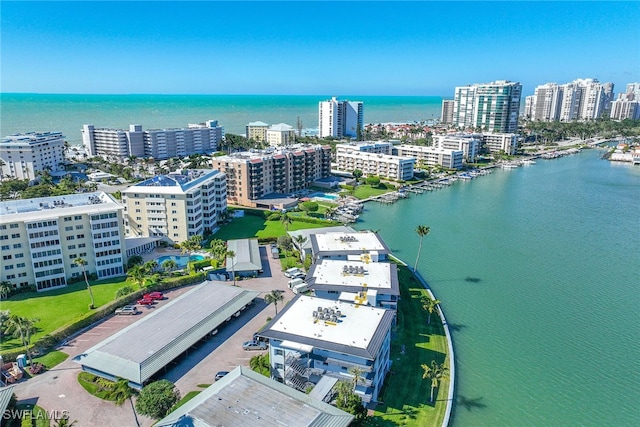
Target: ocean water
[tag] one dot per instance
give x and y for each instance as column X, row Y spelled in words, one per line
column 21, row 113
column 537, row 271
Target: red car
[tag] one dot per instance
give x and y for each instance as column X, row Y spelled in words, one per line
column 154, row 296
column 146, row 301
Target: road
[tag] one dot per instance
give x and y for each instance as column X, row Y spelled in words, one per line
column 59, row 390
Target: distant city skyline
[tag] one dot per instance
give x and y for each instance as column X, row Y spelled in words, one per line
column 313, row 48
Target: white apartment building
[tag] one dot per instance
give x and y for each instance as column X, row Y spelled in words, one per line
column 446, row 115
column 340, row 119
column 175, row 206
column 493, row 107
column 24, row 155
column 468, row 143
column 313, row 338
column 280, row 134
column 581, row 99
column 257, row 131
column 431, row 156
column 387, row 166
column 41, row 238
column 627, row 106
column 379, row 147
column 497, row 142
column 157, row 143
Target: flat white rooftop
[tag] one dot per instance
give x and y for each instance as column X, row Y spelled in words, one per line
column 56, row 206
column 375, row 275
column 341, row 242
column 354, row 328
column 173, row 183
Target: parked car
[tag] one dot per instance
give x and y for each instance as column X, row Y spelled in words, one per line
column 127, row 309
column 254, row 345
column 220, row 374
column 154, row 295
column 299, row 275
column 291, row 271
column 146, row 301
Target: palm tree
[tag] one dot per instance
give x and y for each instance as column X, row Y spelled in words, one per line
column 23, row 328
column 422, row 231
column 169, row 265
column 357, row 374
column 81, row 262
column 120, row 392
column 137, row 275
column 343, row 389
column 435, row 373
column 274, row 297
column 65, row 422
column 429, row 305
column 286, row 221
column 5, row 289
column 150, row 266
column 232, row 254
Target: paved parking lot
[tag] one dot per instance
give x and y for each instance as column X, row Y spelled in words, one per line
column 58, row 389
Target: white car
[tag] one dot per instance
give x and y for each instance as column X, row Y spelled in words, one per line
column 292, row 271
column 127, row 309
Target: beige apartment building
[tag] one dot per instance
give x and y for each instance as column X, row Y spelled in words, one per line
column 41, row 238
column 257, row 131
column 497, row 142
column 175, row 206
column 255, row 178
column 431, row 156
column 374, row 158
column 281, row 134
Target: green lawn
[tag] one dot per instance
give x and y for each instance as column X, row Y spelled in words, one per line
column 254, row 226
column 187, row 397
column 52, row 358
column 365, row 191
column 59, row 307
column 405, row 394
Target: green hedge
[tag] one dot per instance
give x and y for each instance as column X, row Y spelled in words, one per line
column 268, row 239
column 199, row 265
column 314, row 220
column 101, row 313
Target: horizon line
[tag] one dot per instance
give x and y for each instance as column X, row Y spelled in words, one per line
column 213, row 94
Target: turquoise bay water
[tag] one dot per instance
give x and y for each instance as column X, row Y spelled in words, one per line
column 67, row 113
column 549, row 336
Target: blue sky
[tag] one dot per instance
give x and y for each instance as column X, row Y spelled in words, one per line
column 367, row 48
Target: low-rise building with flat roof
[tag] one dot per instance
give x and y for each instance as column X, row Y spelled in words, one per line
column 246, row 398
column 431, row 156
column 41, row 238
column 141, row 349
column 365, row 244
column 374, row 283
column 246, row 260
column 304, row 247
column 313, row 337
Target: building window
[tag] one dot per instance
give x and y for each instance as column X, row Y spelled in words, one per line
column 5, row 247
column 17, row 246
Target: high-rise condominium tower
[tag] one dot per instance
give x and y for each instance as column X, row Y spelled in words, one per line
column 492, row 107
column 340, row 118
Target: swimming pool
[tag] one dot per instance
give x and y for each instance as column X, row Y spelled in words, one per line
column 181, row 260
column 331, row 197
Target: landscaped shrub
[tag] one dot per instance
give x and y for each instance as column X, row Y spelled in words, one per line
column 199, row 265
column 268, row 239
column 125, row 290
column 274, row 216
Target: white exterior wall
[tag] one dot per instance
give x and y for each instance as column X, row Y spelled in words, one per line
column 40, row 239
column 432, row 156
column 495, row 142
column 371, row 164
column 469, row 144
column 24, row 155
column 340, row 118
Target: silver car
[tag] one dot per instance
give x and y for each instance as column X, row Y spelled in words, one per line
column 127, row 309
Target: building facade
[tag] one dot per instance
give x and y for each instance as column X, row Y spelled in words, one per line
column 175, row 206
column 252, row 175
column 371, row 164
column 468, row 143
column 280, row 134
column 157, row 143
column 431, row 156
column 314, row 338
column 24, row 155
column 41, row 238
column 340, row 119
column 257, row 131
column 500, row 142
column 493, row 107
column 581, row 99
column 446, row 115
column 627, row 106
